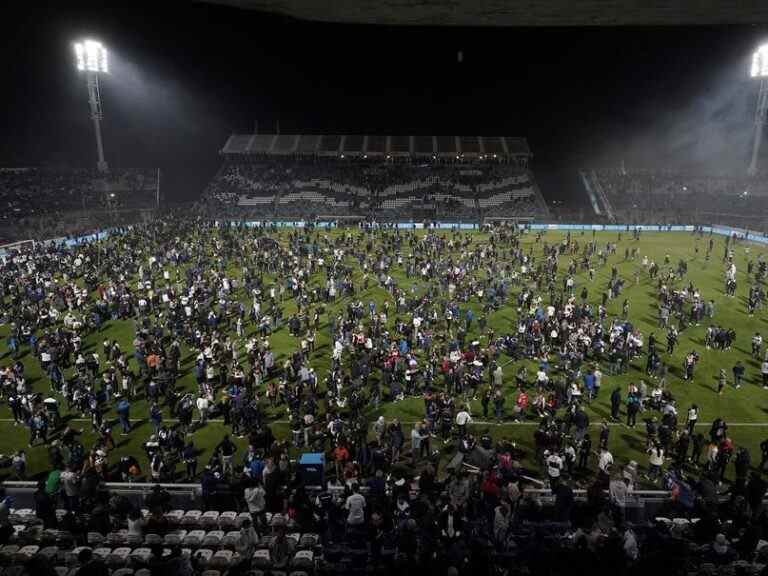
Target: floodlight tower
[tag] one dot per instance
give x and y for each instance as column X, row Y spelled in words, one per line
column 759, row 70
column 91, row 58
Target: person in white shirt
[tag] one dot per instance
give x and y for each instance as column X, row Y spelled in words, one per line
column 655, row 461
column 554, row 466
column 605, row 461
column 203, row 405
column 462, row 419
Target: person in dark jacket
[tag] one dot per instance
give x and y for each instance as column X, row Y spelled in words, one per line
column 45, row 506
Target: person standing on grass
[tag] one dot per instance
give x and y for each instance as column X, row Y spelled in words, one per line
column 722, row 379
column 693, row 417
column 764, row 373
column 615, row 404
column 738, row 374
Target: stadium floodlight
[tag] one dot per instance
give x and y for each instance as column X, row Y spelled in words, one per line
column 759, row 70
column 91, row 58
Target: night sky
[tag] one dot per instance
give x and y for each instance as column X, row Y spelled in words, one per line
column 185, row 76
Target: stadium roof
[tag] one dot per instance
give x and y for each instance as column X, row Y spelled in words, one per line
column 516, row 12
column 358, row 145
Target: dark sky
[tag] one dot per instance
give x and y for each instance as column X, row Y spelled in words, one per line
column 184, row 76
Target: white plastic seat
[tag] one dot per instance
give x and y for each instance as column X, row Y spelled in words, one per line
column 134, row 540
column 241, row 518
column 213, row 539
column 309, row 540
column 142, row 572
column 210, row 518
column 191, row 517
column 123, row 572
column 262, row 559
column 172, row 539
column 153, row 540
column 119, row 556
column 227, row 520
column 27, row 552
column 304, row 560
column 221, row 560
column 141, row 554
column 62, row 570
column 193, row 538
column 94, row 539
column 230, row 539
column 117, row 538
column 211, row 573
column 203, row 556
column 102, row 552
column 174, row 516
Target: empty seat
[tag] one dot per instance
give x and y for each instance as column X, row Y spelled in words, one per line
column 116, row 538
column 174, row 538
column 213, row 539
column 211, row 573
column 227, row 520
column 241, row 517
column 303, row 560
column 230, row 539
column 134, row 540
column 62, row 570
column 193, row 538
column 191, row 517
column 142, row 572
column 141, row 555
column 262, row 559
column 222, row 560
column 94, row 539
column 210, row 518
column 309, row 541
column 26, row 553
column 123, row 572
column 119, row 556
column 8, row 551
column 175, row 516
column 153, row 540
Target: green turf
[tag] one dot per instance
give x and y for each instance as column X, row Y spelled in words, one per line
column 747, row 405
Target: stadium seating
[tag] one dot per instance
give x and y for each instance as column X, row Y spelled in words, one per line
column 308, row 188
column 661, row 197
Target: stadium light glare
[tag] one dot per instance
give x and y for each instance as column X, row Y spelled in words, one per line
column 759, row 70
column 91, row 56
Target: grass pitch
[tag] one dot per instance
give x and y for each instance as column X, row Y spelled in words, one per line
column 744, row 409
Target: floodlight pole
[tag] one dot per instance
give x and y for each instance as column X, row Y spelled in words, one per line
column 94, row 99
column 760, row 118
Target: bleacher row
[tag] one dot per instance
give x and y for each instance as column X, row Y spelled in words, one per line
column 210, row 539
column 377, row 145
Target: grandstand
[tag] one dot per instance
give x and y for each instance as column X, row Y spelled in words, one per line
column 49, row 202
column 392, row 177
column 674, row 197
